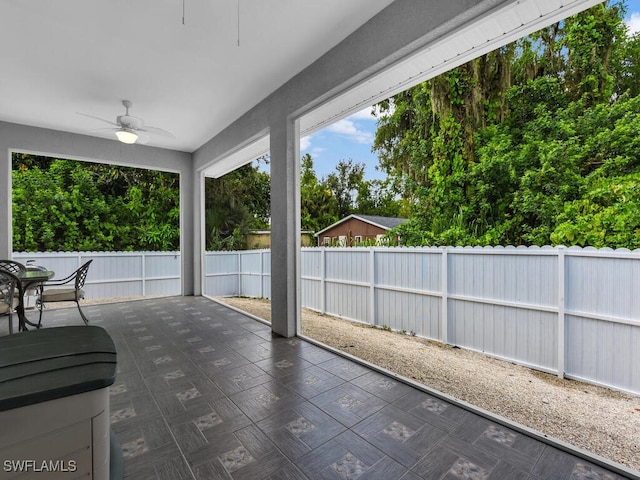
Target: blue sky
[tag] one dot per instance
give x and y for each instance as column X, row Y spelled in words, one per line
column 349, row 138
column 353, row 136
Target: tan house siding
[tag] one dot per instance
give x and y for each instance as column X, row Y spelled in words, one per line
column 262, row 239
column 258, row 240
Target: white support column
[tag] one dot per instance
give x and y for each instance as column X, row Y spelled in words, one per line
column 285, row 226
column 6, row 249
column 198, row 261
column 191, row 199
column 561, row 307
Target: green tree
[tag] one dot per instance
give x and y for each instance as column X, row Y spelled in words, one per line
column 627, row 71
column 59, row 209
column 375, row 197
column 344, row 184
column 608, row 215
column 593, row 40
column 318, row 205
column 67, row 205
column 403, row 142
column 504, row 148
column 234, row 204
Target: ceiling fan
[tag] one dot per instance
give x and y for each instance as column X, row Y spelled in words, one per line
column 130, row 129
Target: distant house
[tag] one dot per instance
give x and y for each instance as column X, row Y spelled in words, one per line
column 357, row 230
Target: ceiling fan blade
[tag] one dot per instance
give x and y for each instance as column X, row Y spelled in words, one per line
column 143, row 137
column 98, row 118
column 156, row 131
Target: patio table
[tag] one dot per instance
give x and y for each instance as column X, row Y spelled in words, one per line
column 29, row 279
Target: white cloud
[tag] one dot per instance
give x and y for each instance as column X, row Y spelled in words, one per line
column 305, row 147
column 633, row 24
column 348, row 129
column 305, row 143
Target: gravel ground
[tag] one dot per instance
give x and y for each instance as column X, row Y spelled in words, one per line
column 593, row 418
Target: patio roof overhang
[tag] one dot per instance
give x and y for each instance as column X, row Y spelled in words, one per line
column 228, row 103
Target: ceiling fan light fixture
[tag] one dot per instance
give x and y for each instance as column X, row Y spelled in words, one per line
column 127, row 136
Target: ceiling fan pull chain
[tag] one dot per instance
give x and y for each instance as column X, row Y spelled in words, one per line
column 238, row 3
column 183, row 11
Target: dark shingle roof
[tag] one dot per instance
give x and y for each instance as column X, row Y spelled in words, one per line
column 384, row 222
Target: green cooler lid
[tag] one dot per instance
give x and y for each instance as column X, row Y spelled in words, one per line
column 42, row 365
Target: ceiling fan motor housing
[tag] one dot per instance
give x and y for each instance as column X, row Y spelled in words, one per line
column 129, row 121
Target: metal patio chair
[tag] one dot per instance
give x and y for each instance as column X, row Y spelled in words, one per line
column 9, row 301
column 16, row 268
column 12, row 266
column 72, row 293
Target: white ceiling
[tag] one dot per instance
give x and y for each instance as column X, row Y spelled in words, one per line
column 63, row 57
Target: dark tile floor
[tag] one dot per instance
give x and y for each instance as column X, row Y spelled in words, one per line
column 205, row 392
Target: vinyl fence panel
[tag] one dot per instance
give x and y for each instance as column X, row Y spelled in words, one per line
column 504, row 302
column 408, row 286
column 251, row 273
column 573, row 312
column 347, row 276
column 603, row 317
column 116, row 274
column 222, row 274
column 162, row 274
column 312, row 282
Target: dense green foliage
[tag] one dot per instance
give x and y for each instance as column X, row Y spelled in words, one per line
column 236, row 203
column 534, row 143
column 318, row 204
column 66, row 205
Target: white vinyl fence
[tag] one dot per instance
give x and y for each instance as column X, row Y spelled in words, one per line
column 568, row 311
column 116, row 274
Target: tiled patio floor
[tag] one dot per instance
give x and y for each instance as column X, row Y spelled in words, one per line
column 205, row 392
